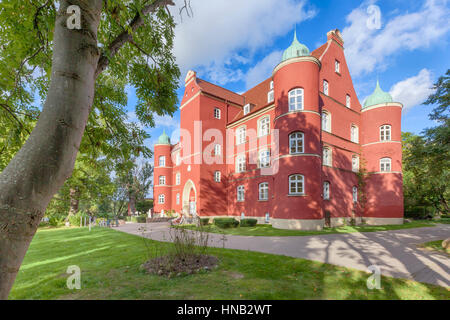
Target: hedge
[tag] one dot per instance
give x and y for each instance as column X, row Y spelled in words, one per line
column 248, row 222
column 204, row 221
column 226, row 222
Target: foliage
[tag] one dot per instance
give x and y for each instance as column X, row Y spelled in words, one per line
column 226, row 222
column 204, row 221
column 144, row 205
column 77, row 219
column 248, row 222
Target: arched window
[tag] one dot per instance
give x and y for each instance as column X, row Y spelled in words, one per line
column 178, row 198
column 325, row 87
column 240, row 163
column 264, row 126
column 354, row 133
column 162, row 161
column 326, row 121
column 296, row 142
column 264, row 191
column 385, row 165
column 264, row 159
column 327, row 160
column 296, row 184
column 355, row 194
column 326, row 190
column 162, row 180
column 348, row 101
column 178, row 179
column 161, row 199
column 240, row 135
column 296, row 99
column 217, row 176
column 217, row 113
column 385, row 132
column 355, row 163
column 240, row 193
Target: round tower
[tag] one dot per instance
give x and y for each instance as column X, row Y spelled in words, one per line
column 297, row 119
column 162, row 175
column 382, row 154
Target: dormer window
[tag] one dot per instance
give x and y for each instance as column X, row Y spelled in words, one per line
column 270, row 97
column 337, row 66
column 271, row 85
column 246, row 109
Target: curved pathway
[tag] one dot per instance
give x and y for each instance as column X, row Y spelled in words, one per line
column 395, row 252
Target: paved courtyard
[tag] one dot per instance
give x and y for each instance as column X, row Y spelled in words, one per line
column 394, row 252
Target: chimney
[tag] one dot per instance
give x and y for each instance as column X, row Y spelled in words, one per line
column 336, row 36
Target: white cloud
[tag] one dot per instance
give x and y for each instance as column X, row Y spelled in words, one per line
column 263, row 69
column 413, row 91
column 225, row 32
column 161, row 121
column 368, row 48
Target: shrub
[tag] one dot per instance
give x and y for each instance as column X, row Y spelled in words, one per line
column 204, row 221
column 248, row 222
column 141, row 218
column 226, row 222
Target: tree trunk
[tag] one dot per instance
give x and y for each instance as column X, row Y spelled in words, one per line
column 74, row 195
column 132, row 202
column 47, row 158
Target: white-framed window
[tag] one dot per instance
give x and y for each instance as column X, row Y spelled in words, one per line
column 296, row 184
column 325, row 87
column 161, row 199
column 355, row 194
column 385, row 164
column 337, row 66
column 296, row 99
column 242, row 215
column 240, row 135
column 178, row 179
column 246, row 109
column 267, row 218
column 240, row 193
column 162, row 180
column 162, row 161
column 189, row 168
column 348, row 101
column 264, row 158
column 217, row 113
column 217, row 176
column 354, row 133
column 385, row 132
column 177, row 159
column 271, row 85
column 178, row 198
column 327, row 157
column 217, row 149
column 326, row 121
column 270, row 96
column 296, row 142
column 326, row 190
column 355, row 163
column 240, row 163
column 264, row 191
column 264, row 126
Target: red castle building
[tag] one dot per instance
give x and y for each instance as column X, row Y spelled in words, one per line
column 297, row 151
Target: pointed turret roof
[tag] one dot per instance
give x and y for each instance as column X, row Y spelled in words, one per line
column 378, row 96
column 164, row 138
column 296, row 49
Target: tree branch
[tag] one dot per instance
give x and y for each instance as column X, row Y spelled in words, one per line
column 125, row 36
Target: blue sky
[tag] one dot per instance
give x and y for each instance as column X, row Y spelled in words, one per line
column 236, row 44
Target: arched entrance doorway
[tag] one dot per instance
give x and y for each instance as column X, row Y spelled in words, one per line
column 189, row 199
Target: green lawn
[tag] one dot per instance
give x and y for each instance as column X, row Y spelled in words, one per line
column 267, row 230
column 435, row 245
column 110, row 260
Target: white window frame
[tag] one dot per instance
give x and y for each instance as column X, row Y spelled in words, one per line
column 298, row 97
column 355, row 194
column 241, row 133
column 217, row 113
column 162, row 161
column 267, row 218
column 247, row 109
column 326, row 190
column 177, row 159
column 348, row 101
column 326, row 121
column 177, row 178
column 263, row 191
column 270, row 96
column 326, row 88
column 294, row 138
column 217, row 176
column 385, row 132
column 271, row 85
column 385, row 164
column 264, row 126
column 264, row 158
column 178, row 198
column 354, row 133
column 355, row 163
column 327, row 156
column 240, row 163
column 217, row 150
column 296, row 180
column 240, row 193
column 162, row 180
column 337, row 66
column 161, row 199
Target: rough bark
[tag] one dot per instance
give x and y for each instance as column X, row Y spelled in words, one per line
column 47, row 158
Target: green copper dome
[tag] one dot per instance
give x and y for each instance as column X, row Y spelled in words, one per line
column 378, row 96
column 296, row 49
column 164, row 138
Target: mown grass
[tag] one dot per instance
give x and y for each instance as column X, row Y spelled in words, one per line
column 109, row 261
column 268, row 231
